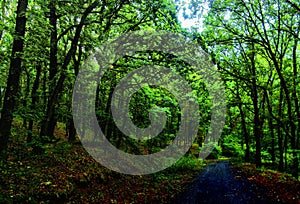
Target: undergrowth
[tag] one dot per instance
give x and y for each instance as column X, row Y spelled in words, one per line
column 65, row 173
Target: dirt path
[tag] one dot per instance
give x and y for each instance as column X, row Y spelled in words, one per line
column 221, row 183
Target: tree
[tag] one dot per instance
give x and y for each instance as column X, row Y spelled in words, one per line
column 15, row 70
column 49, row 123
column 267, row 33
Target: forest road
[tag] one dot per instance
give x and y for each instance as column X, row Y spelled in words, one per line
column 221, row 183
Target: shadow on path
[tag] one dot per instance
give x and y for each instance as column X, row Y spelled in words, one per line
column 221, row 183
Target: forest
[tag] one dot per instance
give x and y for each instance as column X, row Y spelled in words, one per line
column 252, row 45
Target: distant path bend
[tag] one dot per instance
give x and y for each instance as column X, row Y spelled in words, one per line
column 221, row 183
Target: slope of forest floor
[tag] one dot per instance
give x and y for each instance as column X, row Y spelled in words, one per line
column 280, row 185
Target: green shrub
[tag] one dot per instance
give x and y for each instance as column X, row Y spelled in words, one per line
column 186, row 164
column 214, row 154
column 231, row 147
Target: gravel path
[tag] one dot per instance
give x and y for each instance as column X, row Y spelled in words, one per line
column 221, row 183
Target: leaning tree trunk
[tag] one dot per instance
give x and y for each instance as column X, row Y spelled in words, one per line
column 13, row 81
column 70, row 127
column 49, row 122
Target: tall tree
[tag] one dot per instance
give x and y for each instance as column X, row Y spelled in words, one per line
column 272, row 29
column 15, row 70
column 49, row 123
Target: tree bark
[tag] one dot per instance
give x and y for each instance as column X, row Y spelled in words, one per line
column 70, row 129
column 244, row 127
column 34, row 99
column 271, row 127
column 256, row 128
column 24, row 99
column 13, row 81
column 280, row 136
column 48, row 127
column 295, row 140
column 53, row 41
column 2, row 92
column 49, row 121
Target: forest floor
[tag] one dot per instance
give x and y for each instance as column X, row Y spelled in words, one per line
column 65, row 173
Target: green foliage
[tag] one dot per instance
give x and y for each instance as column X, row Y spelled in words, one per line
column 186, row 164
column 217, row 151
column 231, row 147
column 214, row 154
column 258, row 60
column 256, row 56
column 43, row 145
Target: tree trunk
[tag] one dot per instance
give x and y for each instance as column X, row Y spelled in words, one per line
column 13, row 81
column 109, row 121
column 24, row 99
column 292, row 126
column 34, row 99
column 280, row 136
column 295, row 141
column 71, row 130
column 48, row 125
column 53, row 42
column 271, row 127
column 244, row 127
column 49, row 121
column 1, row 96
column 285, row 151
column 256, row 128
column 280, row 146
